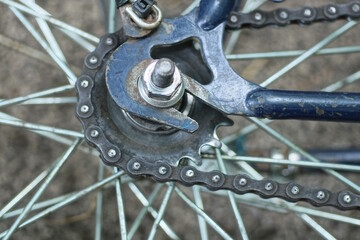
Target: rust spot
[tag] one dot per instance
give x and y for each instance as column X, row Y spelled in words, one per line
column 261, row 100
column 319, row 111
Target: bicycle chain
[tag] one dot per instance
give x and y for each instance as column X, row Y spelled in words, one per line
column 95, row 62
column 282, row 16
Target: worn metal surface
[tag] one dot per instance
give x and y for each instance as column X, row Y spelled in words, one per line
column 280, row 104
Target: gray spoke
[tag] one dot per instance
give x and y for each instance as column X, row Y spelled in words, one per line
column 53, row 136
column 290, row 144
column 232, row 199
column 196, row 209
column 17, row 100
column 111, row 20
column 199, row 203
column 250, row 5
column 99, row 201
column 317, row 165
column 309, row 52
column 120, row 204
column 193, row 5
column 70, row 75
column 52, row 20
column 68, row 200
column 42, row 188
column 39, row 127
column 250, row 170
column 24, row 192
column 314, row 225
column 147, row 204
column 343, row 82
column 50, row 101
column 76, row 38
column 293, row 53
column 161, row 211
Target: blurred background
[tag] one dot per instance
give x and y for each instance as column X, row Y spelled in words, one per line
column 25, row 68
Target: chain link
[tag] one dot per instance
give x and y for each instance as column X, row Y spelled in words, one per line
column 284, row 16
column 186, row 175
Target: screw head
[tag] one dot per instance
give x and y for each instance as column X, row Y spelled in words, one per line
column 189, row 173
column 283, row 15
column 93, row 60
column 269, row 186
column 215, row 178
column 332, row 10
column 84, row 108
column 347, row 198
column 307, row 12
column 84, row 83
column 136, row 165
column 295, row 190
column 162, row 170
column 320, row 195
column 109, row 41
column 242, row 181
column 355, row 8
column 233, row 19
column 258, row 16
column 94, row 133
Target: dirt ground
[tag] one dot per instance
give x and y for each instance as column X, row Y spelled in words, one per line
column 24, row 154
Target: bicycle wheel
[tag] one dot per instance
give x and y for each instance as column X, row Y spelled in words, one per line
column 87, row 199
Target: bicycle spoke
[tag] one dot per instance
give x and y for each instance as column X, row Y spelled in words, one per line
column 70, row 75
column 199, row 204
column 232, row 199
column 120, row 204
column 293, row 53
column 49, row 101
column 193, row 5
column 290, row 144
column 250, row 170
column 161, row 210
column 317, row 165
column 111, row 20
column 39, row 127
column 250, row 5
column 309, row 53
column 69, row 200
column 52, row 136
column 76, row 38
column 314, row 225
column 52, row 20
column 24, row 192
column 99, row 200
column 42, row 188
column 197, row 210
column 343, row 82
column 147, row 204
column 17, row 100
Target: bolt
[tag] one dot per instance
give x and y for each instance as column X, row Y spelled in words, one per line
column 332, row 10
column 347, row 198
column 243, row 182
column 93, row 60
column 94, row 133
column 163, row 73
column 355, row 8
column 269, row 186
column 320, row 195
column 215, row 178
column 307, row 12
column 136, row 165
column 84, row 83
column 283, row 15
column 189, row 173
column 84, row 108
column 162, row 170
column 258, row 16
column 295, row 190
column 233, row 18
column 109, row 41
column 111, row 153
